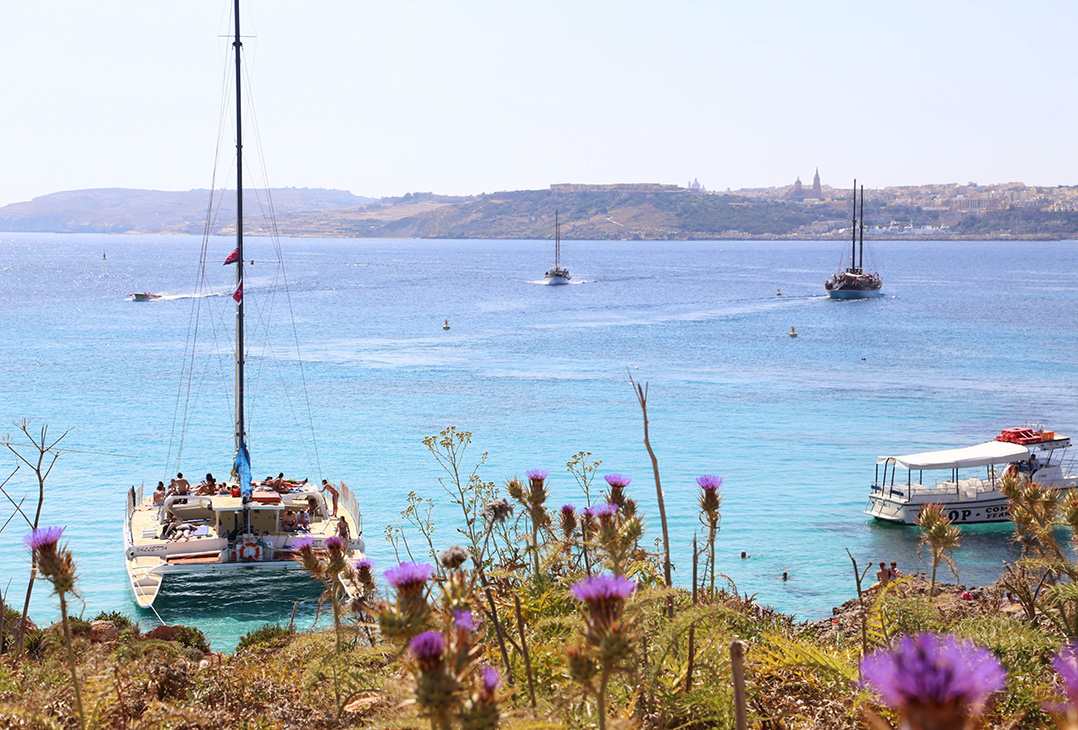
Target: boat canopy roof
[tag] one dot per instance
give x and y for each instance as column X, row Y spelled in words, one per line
column 992, row 452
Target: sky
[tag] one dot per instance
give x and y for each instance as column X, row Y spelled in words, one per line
column 465, row 97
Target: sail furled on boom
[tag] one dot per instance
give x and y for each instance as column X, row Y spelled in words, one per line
column 243, row 471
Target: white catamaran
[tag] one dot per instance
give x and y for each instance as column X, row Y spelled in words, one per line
column 236, row 524
column 967, row 484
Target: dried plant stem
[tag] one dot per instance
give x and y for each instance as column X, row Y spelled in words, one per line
column 498, row 630
column 71, row 659
column 692, row 626
column 858, row 576
column 524, row 650
column 642, row 397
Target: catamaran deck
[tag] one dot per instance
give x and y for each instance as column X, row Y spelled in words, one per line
column 218, row 532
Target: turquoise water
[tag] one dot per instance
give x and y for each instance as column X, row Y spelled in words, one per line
column 971, row 337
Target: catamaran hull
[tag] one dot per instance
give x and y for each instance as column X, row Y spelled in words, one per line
column 555, row 280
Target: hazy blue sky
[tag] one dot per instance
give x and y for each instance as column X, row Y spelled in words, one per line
column 465, row 97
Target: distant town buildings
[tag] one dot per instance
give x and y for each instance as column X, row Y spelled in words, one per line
column 615, row 187
column 798, row 191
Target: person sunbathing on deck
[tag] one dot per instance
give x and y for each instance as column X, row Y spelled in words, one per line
column 207, row 486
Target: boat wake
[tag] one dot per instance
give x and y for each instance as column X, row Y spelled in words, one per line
column 174, row 297
column 544, row 282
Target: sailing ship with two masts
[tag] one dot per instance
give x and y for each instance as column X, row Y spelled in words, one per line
column 235, row 524
column 558, row 274
column 855, row 282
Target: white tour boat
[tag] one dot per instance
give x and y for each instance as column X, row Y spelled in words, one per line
column 559, row 274
column 232, row 525
column 968, row 481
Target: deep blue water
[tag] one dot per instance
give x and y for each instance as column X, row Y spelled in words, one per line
column 971, row 337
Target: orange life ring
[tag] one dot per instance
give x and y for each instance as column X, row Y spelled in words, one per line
column 243, row 555
column 1011, row 471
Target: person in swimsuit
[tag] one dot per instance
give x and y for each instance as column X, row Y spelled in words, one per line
column 326, row 486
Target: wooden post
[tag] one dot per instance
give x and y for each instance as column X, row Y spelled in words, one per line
column 737, row 666
column 524, row 650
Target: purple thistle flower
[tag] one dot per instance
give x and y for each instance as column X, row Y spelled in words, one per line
column 43, row 538
column 568, row 510
column 491, row 678
column 335, row 544
column 599, row 511
column 427, row 646
column 599, row 588
column 407, row 575
column 537, row 475
column 618, row 480
column 463, row 619
column 301, row 544
column 932, row 671
column 364, row 564
column 709, row 482
column 1066, row 663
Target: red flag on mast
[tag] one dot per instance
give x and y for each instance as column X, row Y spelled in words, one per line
column 238, row 296
column 233, row 257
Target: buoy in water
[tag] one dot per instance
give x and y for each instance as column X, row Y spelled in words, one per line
column 793, row 332
column 778, row 293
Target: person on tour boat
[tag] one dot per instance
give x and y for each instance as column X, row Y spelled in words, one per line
column 303, row 521
column 333, row 493
column 1033, row 465
column 159, row 493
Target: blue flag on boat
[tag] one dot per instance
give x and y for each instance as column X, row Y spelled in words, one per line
column 243, row 471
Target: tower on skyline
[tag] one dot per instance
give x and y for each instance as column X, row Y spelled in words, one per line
column 817, row 191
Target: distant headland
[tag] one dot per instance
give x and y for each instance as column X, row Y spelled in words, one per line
column 622, row 211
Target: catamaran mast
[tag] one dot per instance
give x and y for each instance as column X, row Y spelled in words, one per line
column 240, row 435
column 861, row 265
column 557, row 241
column 853, row 228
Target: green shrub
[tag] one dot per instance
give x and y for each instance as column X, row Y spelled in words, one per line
column 915, row 615
column 122, row 622
column 268, row 636
column 1026, row 653
column 190, row 636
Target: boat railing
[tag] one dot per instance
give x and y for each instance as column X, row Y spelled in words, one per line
column 348, row 499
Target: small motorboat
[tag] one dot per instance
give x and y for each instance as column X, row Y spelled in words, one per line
column 446, row 325
column 778, row 293
column 144, row 297
column 793, row 332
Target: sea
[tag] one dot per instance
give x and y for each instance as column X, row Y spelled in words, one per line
column 349, row 368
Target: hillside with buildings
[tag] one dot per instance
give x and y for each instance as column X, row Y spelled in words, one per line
column 648, row 211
